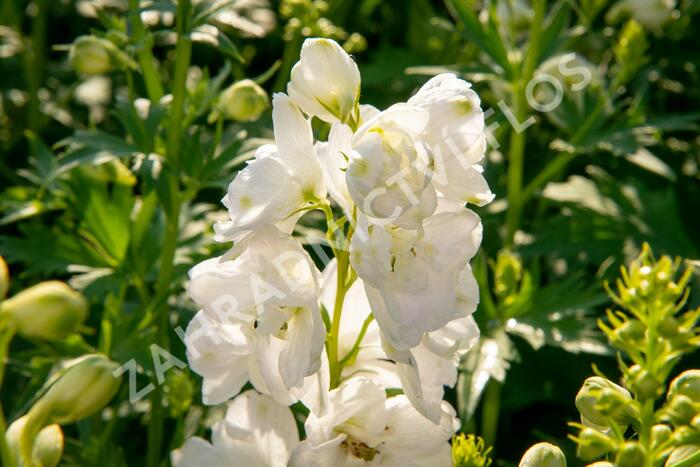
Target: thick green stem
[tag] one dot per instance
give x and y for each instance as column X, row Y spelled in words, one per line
column 490, row 412
column 6, row 335
column 144, row 53
column 183, row 52
column 183, row 55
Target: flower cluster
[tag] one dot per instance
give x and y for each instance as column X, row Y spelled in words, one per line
column 391, row 310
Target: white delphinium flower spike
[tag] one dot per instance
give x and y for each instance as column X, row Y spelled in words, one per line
column 260, row 319
column 455, row 134
column 256, row 432
column 282, row 180
column 365, row 427
column 325, row 82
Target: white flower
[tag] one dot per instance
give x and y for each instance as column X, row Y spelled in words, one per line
column 389, row 167
column 256, row 432
column 425, row 369
column 455, row 134
column 371, row 361
column 364, row 427
column 282, row 180
column 325, row 82
column 260, row 319
column 415, row 279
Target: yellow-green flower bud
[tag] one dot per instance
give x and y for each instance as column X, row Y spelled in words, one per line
column 50, row 311
column 92, row 55
column 543, row 455
column 681, row 410
column 600, row 399
column 644, row 384
column 681, row 453
column 631, row 455
column 686, row 384
column 46, row 449
column 660, row 434
column 80, row 391
column 593, row 443
column 4, row 278
column 244, row 101
column 633, row 330
column 601, row 464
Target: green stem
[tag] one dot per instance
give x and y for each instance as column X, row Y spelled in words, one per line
column 6, row 336
column 183, row 55
column 289, row 56
column 490, row 413
column 144, row 53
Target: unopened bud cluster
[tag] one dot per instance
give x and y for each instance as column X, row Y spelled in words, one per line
column 623, row 423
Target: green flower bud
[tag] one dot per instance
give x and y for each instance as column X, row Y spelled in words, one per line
column 681, row 410
column 80, row 391
column 686, row 435
column 593, row 443
column 601, row 464
column 47, row 447
column 4, row 278
column 643, row 383
column 687, row 384
column 681, row 453
column 633, row 330
column 600, row 398
column 660, row 434
column 92, row 55
column 50, row 311
column 669, row 327
column 543, row 455
column 244, row 101
column 631, row 455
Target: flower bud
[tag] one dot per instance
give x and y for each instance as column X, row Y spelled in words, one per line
column 325, row 83
column 669, row 327
column 47, row 447
column 80, row 391
column 244, row 101
column 593, row 443
column 50, row 311
column 92, row 55
column 686, row 384
column 601, row 464
column 630, row 455
column 4, row 278
column 643, row 383
column 543, row 455
column 681, row 453
column 681, row 410
column 600, row 399
column 660, row 434
column 633, row 330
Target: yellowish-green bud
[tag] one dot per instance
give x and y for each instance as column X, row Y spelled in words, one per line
column 686, row 384
column 681, row 453
column 49, row 311
column 4, row 278
column 631, row 455
column 80, row 391
column 593, row 443
column 681, row 410
column 660, row 434
column 543, row 455
column 92, row 55
column 601, row 464
column 600, row 399
column 46, row 449
column 644, row 384
column 244, row 101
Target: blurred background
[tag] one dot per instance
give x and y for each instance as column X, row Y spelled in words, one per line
column 579, row 186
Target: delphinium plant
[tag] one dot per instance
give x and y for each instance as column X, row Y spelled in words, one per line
column 645, row 420
column 363, row 349
column 48, row 313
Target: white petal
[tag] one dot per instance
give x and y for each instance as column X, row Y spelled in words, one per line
column 301, row 355
column 195, row 453
column 325, row 82
column 325, row 454
column 411, row 435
